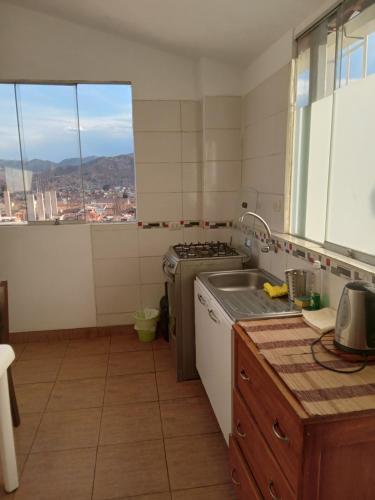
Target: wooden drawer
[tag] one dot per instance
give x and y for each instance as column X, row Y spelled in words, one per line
column 245, row 486
column 266, row 470
column 276, row 419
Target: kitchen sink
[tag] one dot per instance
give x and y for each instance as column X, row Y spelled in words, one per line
column 241, row 294
column 238, row 280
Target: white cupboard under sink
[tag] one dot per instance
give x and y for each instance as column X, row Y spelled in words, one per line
column 213, row 340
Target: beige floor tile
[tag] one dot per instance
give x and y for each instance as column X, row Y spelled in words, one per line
column 160, row 343
column 88, row 347
column 195, row 462
column 44, row 350
column 188, row 416
column 163, row 360
column 220, row 492
column 169, row 388
column 76, row 394
column 123, row 363
column 58, row 475
column 18, row 349
column 156, row 496
column 130, row 469
column 36, row 370
column 130, row 389
column 128, row 342
column 130, row 423
column 32, row 398
column 25, row 433
column 68, row 429
column 84, row 367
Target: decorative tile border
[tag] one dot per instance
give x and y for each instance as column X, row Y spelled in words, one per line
column 183, row 223
column 328, row 264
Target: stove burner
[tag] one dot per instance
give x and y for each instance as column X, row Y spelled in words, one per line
column 204, row 250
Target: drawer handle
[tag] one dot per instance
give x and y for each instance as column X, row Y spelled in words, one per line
column 213, row 316
column 202, row 300
column 234, row 480
column 244, row 375
column 278, row 433
column 239, row 431
column 271, row 489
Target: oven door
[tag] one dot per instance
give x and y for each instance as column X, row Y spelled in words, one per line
column 173, row 280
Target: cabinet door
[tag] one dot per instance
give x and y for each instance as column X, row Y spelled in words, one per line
column 214, row 355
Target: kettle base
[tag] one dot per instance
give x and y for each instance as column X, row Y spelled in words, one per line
column 351, row 350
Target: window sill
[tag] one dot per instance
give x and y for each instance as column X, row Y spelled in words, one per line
column 319, row 250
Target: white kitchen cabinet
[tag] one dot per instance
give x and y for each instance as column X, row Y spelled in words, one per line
column 213, row 339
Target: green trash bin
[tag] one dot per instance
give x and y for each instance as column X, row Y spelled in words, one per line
column 145, row 324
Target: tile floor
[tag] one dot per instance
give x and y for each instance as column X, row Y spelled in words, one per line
column 104, row 418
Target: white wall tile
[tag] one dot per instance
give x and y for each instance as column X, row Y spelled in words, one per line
column 271, row 208
column 153, row 207
column 222, row 112
column 117, row 299
column 265, row 174
column 151, row 295
column 193, row 234
column 217, row 234
column 156, row 115
column 192, row 206
column 191, row 115
column 159, row 178
column 113, row 272
column 222, row 176
column 191, row 146
column 266, row 137
column 114, row 243
column 115, row 319
column 219, row 206
column 157, row 147
column 154, row 242
column 151, row 270
column 222, row 145
column 191, row 177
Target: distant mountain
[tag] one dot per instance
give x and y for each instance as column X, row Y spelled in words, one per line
column 97, row 171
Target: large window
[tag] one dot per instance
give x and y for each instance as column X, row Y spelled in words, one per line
column 66, row 153
column 333, row 176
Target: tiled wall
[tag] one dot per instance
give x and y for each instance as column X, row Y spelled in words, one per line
column 127, row 257
column 265, row 115
column 222, row 157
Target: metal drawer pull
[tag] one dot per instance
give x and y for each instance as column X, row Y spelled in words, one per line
column 202, row 300
column 271, row 488
column 244, row 375
column 239, row 431
column 234, row 481
column 213, row 316
column 278, row 433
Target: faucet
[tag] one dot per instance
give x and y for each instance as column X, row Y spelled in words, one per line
column 269, row 245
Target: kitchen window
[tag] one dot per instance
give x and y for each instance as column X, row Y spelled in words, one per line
column 66, row 153
column 333, row 174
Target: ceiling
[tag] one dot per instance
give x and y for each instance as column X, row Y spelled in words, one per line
column 234, row 31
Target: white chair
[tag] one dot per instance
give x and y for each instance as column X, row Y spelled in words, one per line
column 7, row 449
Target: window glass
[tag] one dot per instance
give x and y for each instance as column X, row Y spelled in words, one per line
column 50, row 151
column 12, row 194
column 105, row 114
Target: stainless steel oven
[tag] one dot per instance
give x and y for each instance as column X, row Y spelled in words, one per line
column 180, row 265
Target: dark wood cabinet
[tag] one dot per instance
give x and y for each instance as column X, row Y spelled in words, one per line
column 279, row 451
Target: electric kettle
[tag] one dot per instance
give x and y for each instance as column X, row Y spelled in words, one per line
column 355, row 320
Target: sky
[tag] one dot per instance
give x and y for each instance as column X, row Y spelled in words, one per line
column 49, row 121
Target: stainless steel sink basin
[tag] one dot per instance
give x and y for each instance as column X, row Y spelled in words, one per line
column 241, row 294
column 238, row 280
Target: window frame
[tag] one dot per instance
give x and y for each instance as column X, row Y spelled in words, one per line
column 359, row 256
column 58, row 222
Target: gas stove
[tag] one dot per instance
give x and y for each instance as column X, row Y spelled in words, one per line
column 204, row 250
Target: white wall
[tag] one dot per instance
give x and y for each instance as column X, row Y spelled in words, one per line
column 41, row 47
column 50, row 277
